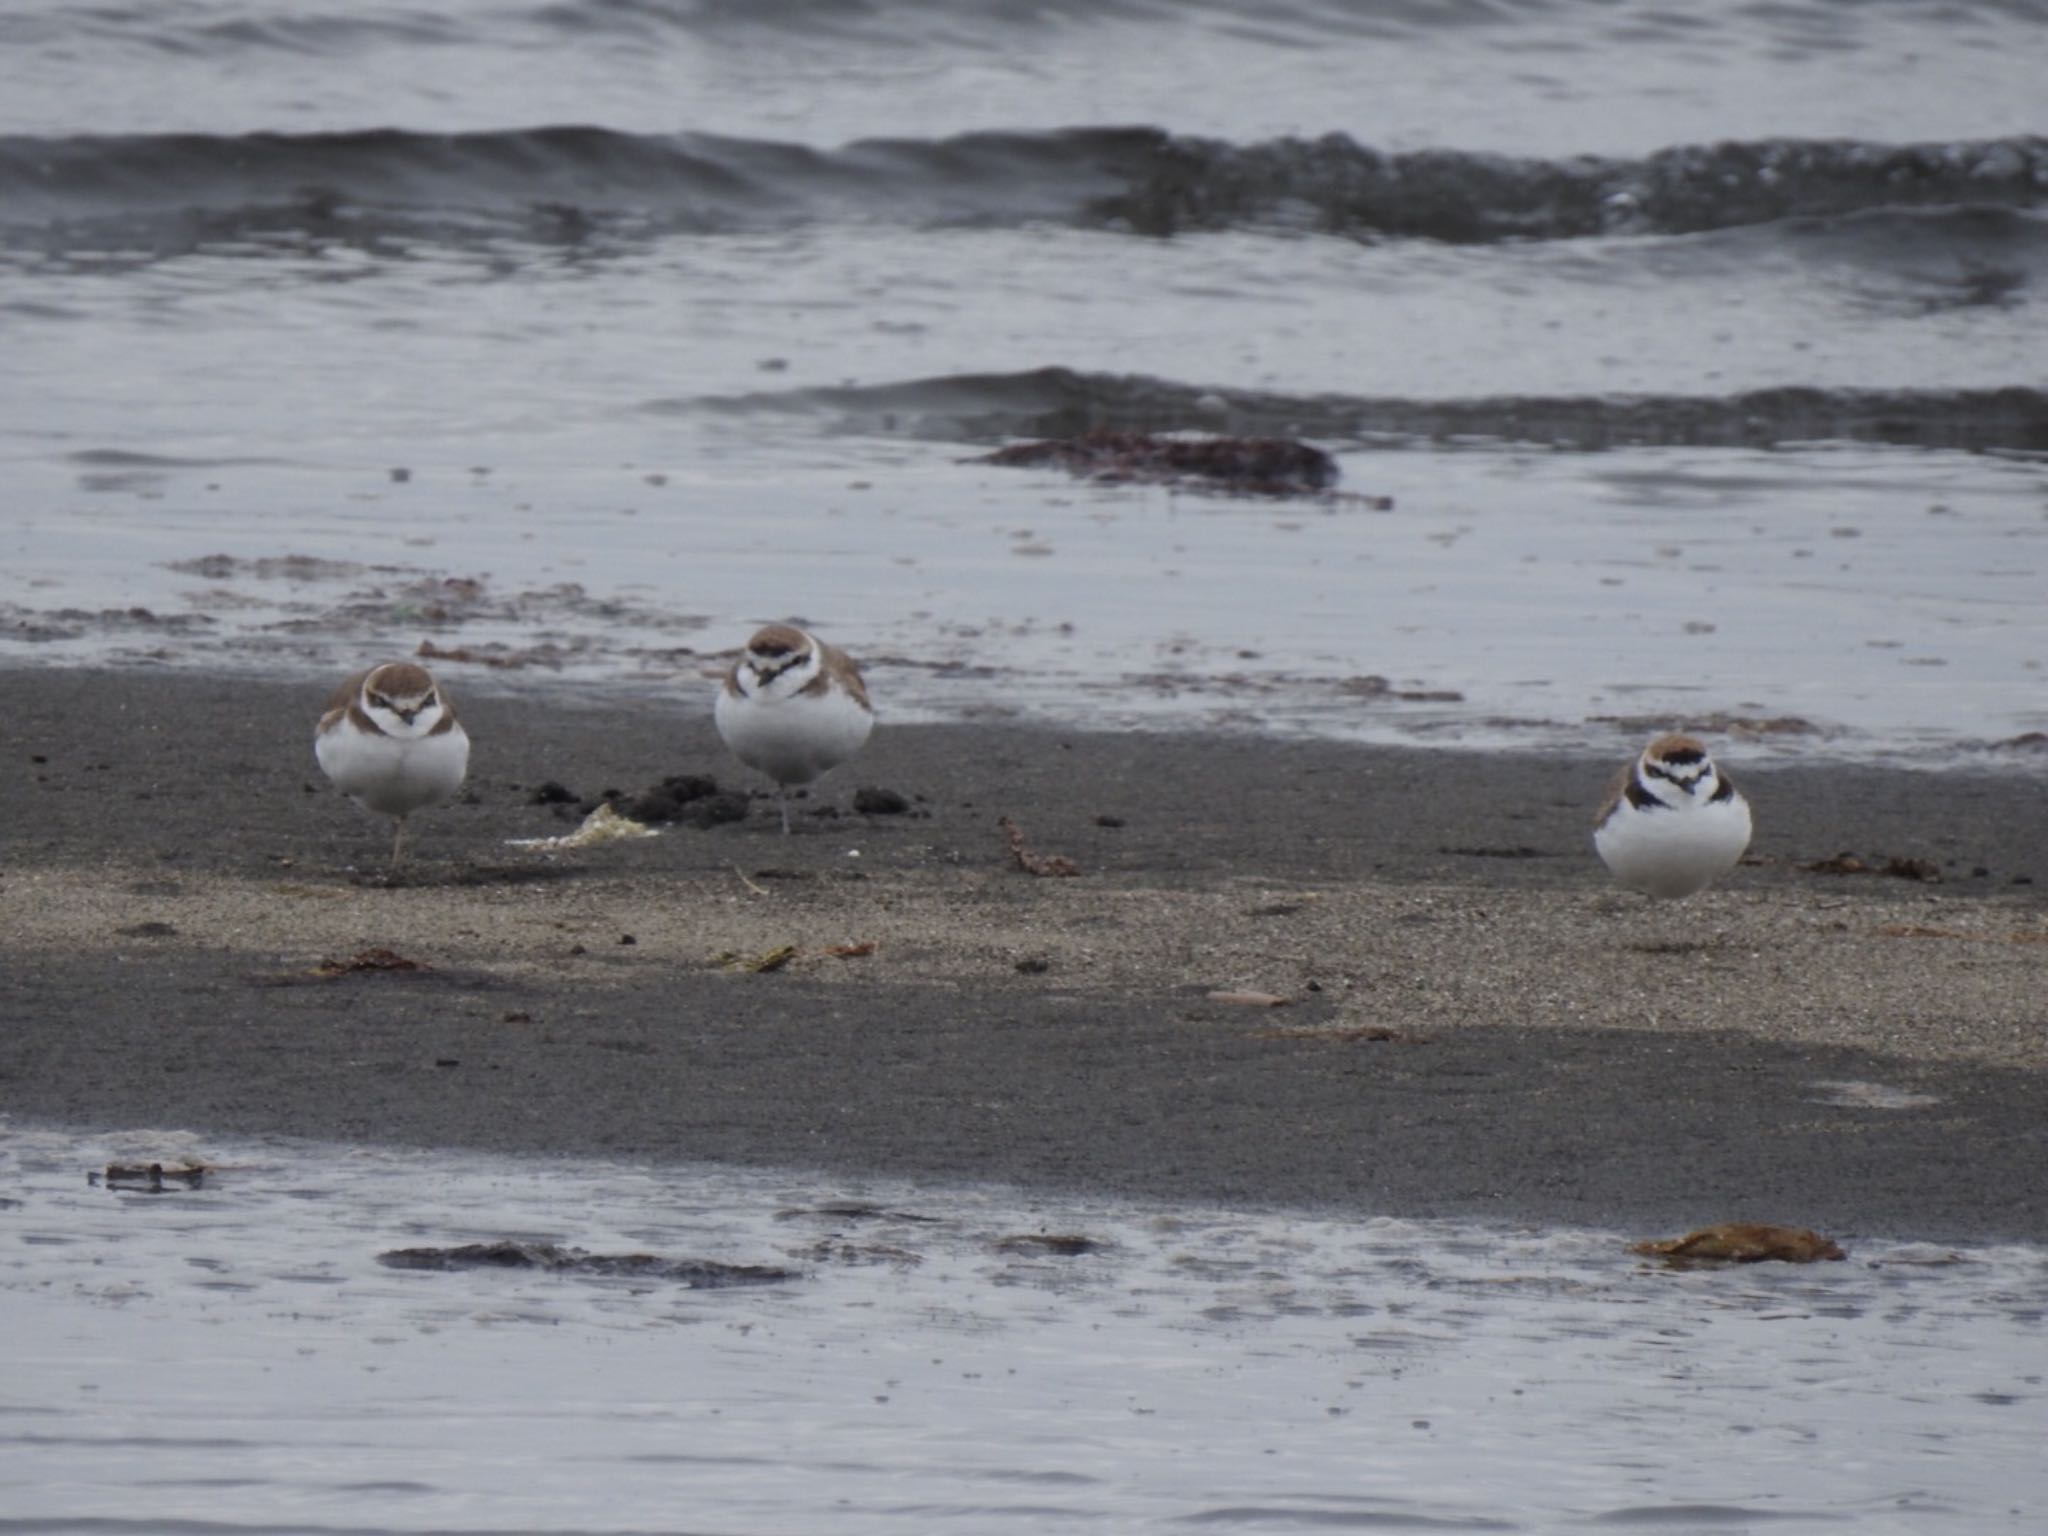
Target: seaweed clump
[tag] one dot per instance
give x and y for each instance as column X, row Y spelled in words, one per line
column 1244, row 466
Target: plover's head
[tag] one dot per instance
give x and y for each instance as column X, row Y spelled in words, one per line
column 1680, row 761
column 402, row 699
column 776, row 649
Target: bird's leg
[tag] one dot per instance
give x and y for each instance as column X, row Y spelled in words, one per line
column 398, row 845
column 782, row 799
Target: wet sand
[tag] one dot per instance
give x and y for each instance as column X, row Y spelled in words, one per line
column 1475, row 1024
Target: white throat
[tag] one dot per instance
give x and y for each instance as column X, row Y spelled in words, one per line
column 1681, row 788
column 778, row 677
column 396, row 726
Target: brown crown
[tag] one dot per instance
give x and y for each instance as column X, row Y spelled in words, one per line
column 399, row 680
column 1676, row 748
column 779, row 640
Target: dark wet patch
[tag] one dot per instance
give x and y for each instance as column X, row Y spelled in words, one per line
column 1064, row 1245
column 1518, row 851
column 140, row 481
column 698, row 1274
column 1370, row 685
column 834, row 1250
column 335, row 598
column 148, row 931
column 852, row 1210
column 496, row 654
column 1692, row 1518
column 272, row 568
column 42, row 626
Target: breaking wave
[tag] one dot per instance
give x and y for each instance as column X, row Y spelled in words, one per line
column 1056, row 402
column 170, row 190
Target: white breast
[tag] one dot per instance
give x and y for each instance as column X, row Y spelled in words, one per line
column 1676, row 851
column 393, row 776
column 792, row 739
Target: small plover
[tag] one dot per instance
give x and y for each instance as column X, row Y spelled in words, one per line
column 1674, row 824
column 390, row 742
column 793, row 707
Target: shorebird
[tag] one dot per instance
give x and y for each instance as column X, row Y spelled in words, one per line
column 1674, row 823
column 390, row 741
column 793, row 708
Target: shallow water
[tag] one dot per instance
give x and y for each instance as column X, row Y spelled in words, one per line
column 1861, row 601
column 1700, row 354
column 235, row 1358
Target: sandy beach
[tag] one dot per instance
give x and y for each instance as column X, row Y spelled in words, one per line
column 1471, row 1022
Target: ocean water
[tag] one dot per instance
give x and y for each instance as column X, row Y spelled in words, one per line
column 237, row 1358
column 1702, row 353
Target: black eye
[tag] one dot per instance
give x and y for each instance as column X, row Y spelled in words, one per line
column 378, row 701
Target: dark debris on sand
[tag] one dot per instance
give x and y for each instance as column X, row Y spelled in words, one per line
column 1241, row 466
column 375, row 959
column 874, row 800
column 692, row 798
column 1056, row 865
column 1924, row 870
column 697, row 800
column 685, row 799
